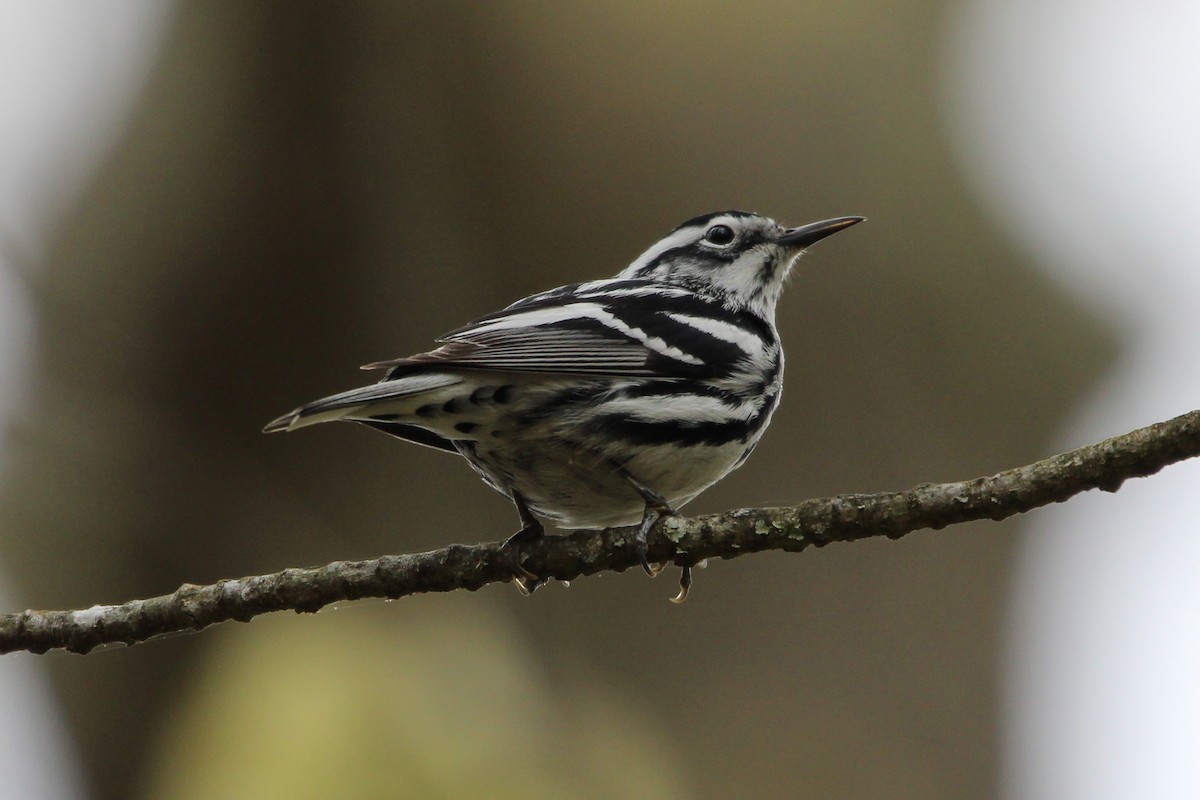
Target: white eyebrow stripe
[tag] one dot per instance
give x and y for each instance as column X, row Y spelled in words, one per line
column 677, row 239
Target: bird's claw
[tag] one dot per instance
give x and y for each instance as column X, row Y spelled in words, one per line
column 685, row 585
column 528, row 585
column 651, row 517
column 652, row 569
column 657, row 507
column 526, row 582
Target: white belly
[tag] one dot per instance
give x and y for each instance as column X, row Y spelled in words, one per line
column 578, row 489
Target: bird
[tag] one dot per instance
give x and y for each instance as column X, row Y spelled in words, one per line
column 609, row 402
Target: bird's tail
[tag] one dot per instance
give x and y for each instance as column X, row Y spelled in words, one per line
column 393, row 399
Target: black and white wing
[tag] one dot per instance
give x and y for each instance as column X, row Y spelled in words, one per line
column 616, row 328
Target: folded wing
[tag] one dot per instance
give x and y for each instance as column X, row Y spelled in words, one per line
column 613, row 328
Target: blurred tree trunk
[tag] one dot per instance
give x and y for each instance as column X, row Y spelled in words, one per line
column 216, row 273
column 310, row 186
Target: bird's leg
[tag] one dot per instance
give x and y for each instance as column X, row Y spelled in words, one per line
column 531, row 529
column 657, row 507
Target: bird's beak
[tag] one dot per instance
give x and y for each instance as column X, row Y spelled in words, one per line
column 810, row 234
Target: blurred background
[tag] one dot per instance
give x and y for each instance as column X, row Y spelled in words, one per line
column 210, row 212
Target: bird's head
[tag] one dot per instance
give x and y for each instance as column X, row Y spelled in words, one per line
column 742, row 258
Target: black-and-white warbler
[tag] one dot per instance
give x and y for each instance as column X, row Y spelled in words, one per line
column 608, row 402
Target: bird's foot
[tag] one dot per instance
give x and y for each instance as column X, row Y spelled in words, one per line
column 652, row 516
column 531, row 529
column 657, row 507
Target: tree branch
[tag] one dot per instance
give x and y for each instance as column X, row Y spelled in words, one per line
column 844, row 518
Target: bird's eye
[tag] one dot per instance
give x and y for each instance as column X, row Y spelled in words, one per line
column 719, row 235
